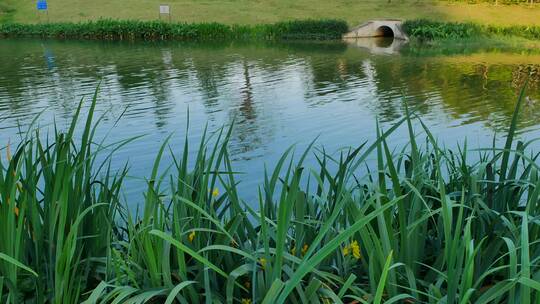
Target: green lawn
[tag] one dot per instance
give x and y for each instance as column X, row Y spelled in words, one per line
column 264, row 11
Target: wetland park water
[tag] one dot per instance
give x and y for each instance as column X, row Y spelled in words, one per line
column 279, row 94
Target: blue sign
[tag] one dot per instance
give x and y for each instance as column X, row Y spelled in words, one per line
column 42, row 5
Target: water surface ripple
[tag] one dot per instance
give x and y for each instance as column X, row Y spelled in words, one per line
column 277, row 94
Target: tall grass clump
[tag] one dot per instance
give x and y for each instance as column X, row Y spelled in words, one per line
column 107, row 29
column 422, row 224
column 57, row 216
column 430, row 30
column 529, row 32
column 435, row 30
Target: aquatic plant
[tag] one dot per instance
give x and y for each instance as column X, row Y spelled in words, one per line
column 422, row 224
column 529, row 32
column 430, row 30
column 108, row 29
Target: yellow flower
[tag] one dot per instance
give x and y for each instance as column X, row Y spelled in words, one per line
column 215, row 193
column 345, row 251
column 262, row 261
column 305, row 249
column 191, row 236
column 246, row 301
column 355, row 250
column 293, row 250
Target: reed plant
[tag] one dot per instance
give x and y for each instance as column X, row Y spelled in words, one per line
column 324, row 29
column 432, row 30
column 108, row 29
column 420, row 224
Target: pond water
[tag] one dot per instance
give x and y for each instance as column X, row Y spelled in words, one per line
column 278, row 94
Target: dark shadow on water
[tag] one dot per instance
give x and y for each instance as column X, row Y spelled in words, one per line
column 378, row 45
column 384, row 42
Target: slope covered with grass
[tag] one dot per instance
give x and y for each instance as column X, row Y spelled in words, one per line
column 258, row 12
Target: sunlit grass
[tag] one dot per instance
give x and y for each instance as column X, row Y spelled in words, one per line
column 257, row 12
column 425, row 225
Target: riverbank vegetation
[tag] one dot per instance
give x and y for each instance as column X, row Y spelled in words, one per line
column 432, row 30
column 373, row 224
column 291, row 30
column 158, row 30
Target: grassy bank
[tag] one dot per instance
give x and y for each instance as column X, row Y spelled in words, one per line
column 433, row 30
column 423, row 225
column 299, row 30
column 257, row 12
column 156, row 30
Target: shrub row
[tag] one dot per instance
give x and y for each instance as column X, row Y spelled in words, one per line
column 430, row 30
column 158, row 30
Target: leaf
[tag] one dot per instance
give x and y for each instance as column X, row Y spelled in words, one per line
column 188, row 250
column 382, row 281
column 176, row 290
column 17, row 263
